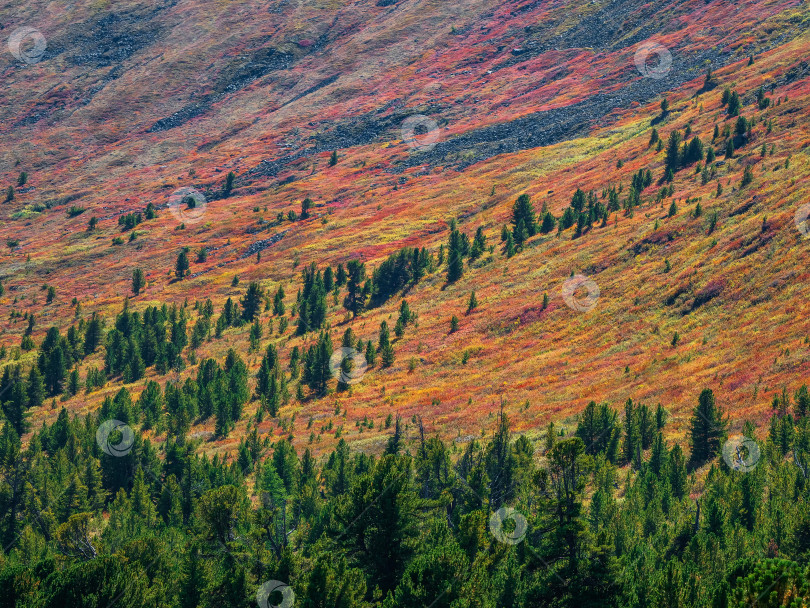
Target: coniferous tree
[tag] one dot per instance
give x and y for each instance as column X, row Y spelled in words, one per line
column 734, row 104
column 251, row 302
column 599, row 430
column 269, row 379
column 673, row 210
column 306, row 205
column 394, row 444
column 562, row 512
column 181, row 266
column 229, row 179
column 318, row 371
column 693, row 152
column 472, row 303
column 74, row 384
column 356, row 274
column 93, row 334
column 151, row 404
column 328, row 279
column 749, row 500
column 455, row 260
column 631, row 443
column 138, row 281
column 371, row 354
column 15, row 402
column 36, row 388
column 255, row 334
column 673, row 155
column 549, row 222
column 578, row 201
column 311, row 301
column 523, row 219
column 405, row 314
column 385, row 347
column 509, row 248
column 501, row 464
column 801, row 402
column 659, row 456
column 479, row 244
column 747, row 178
column 708, row 429
column 278, row 301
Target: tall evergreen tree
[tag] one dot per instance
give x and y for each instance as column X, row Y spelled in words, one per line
column 523, row 219
column 708, row 429
column 138, row 281
column 455, row 256
column 356, row 275
column 36, row 387
column 318, row 371
column 181, row 266
column 278, row 301
column 251, row 302
column 385, row 347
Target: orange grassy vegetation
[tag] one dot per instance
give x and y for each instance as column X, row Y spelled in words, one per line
column 746, row 343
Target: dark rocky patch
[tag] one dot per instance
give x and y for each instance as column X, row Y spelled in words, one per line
column 236, row 75
column 111, row 39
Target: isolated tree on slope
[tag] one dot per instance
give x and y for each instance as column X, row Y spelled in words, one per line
column 138, row 281
column 181, row 266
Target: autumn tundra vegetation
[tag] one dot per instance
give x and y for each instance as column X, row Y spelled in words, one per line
column 264, row 345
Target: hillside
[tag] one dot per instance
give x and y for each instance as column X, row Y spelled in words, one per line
column 130, row 103
column 402, row 303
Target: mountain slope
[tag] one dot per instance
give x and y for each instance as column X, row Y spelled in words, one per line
column 131, row 103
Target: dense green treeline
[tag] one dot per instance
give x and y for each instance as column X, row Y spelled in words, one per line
column 609, row 514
